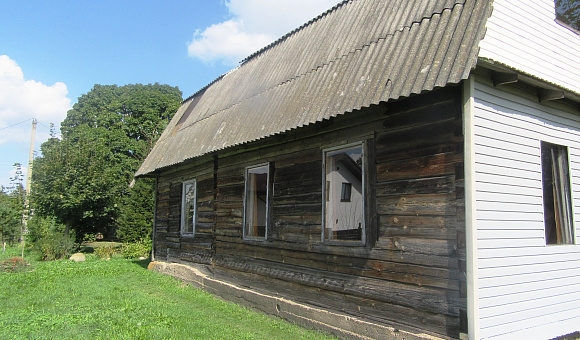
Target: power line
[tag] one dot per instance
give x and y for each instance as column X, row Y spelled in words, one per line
column 8, row 127
column 43, row 124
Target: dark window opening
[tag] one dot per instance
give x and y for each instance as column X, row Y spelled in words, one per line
column 345, row 193
column 256, row 210
column 558, row 219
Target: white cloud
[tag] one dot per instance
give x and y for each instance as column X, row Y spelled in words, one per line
column 254, row 24
column 22, row 99
column 226, row 41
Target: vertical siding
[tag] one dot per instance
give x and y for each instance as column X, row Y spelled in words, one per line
column 518, row 27
column 526, row 289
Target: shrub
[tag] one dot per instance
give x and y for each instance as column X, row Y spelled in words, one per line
column 49, row 239
column 105, row 252
column 137, row 249
column 55, row 246
column 90, row 237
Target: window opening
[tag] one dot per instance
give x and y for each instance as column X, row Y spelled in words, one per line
column 188, row 207
column 558, row 222
column 256, row 205
column 344, row 197
column 345, row 193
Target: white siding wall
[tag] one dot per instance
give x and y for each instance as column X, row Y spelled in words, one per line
column 527, row 290
column 524, row 35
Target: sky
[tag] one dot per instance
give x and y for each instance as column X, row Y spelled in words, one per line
column 52, row 52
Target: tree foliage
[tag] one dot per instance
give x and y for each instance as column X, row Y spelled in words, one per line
column 12, row 208
column 568, row 12
column 83, row 180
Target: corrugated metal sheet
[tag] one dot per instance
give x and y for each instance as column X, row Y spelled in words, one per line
column 359, row 53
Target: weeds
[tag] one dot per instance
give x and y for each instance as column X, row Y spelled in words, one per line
column 105, row 252
column 136, row 250
column 13, row 264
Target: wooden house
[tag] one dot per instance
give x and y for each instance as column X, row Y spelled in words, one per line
column 408, row 163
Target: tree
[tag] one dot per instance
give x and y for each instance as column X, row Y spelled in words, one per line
column 77, row 181
column 83, row 180
column 568, row 12
column 11, row 208
column 137, row 212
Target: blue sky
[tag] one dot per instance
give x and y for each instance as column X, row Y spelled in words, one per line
column 52, row 52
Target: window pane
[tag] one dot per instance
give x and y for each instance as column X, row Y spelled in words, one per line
column 256, row 202
column 557, row 197
column 189, row 199
column 344, row 194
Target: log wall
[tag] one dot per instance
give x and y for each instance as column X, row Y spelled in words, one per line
column 170, row 245
column 411, row 268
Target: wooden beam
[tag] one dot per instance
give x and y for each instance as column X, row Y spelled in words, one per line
column 503, row 78
column 547, row 95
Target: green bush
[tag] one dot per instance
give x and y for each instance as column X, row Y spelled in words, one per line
column 56, row 246
column 49, row 239
column 90, row 237
column 137, row 249
column 105, row 252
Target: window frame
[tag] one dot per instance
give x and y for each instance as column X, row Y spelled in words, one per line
column 268, row 207
column 550, row 200
column 365, row 197
column 183, row 226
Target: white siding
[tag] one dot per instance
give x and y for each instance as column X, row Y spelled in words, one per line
column 524, row 35
column 527, row 290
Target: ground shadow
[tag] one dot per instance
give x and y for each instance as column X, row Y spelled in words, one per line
column 142, row 263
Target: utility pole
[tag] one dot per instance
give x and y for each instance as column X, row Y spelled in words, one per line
column 26, row 212
column 30, row 160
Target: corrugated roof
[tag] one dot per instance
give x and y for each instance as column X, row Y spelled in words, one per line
column 358, row 53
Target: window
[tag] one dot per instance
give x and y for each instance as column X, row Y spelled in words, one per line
column 256, row 206
column 557, row 197
column 568, row 13
column 343, row 215
column 345, row 193
column 188, row 207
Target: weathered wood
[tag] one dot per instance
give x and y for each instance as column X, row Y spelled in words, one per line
column 364, row 308
column 409, row 269
column 425, row 298
column 393, row 271
column 428, row 204
column 420, row 167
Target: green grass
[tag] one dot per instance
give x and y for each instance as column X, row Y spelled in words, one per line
column 120, row 299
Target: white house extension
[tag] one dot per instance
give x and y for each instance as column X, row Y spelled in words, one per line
column 521, row 139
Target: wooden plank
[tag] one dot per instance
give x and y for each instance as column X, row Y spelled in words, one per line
column 428, row 204
column 427, row 166
column 429, row 299
column 377, row 311
column 428, row 185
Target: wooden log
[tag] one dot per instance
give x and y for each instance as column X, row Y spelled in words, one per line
column 426, row 166
column 429, row 299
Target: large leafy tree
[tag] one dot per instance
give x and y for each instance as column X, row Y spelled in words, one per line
column 568, row 11
column 83, row 180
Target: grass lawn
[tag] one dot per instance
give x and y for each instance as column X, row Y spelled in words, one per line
column 121, row 299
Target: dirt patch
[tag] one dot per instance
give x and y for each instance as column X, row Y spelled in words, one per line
column 14, row 264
